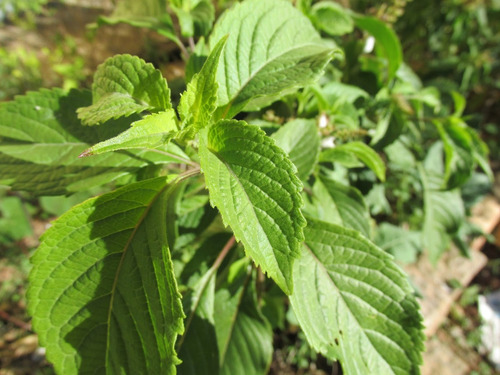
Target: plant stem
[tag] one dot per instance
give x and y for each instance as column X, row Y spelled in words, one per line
column 184, row 51
column 192, row 45
column 189, row 173
column 229, row 244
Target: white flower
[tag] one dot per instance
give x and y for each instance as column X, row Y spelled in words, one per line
column 328, row 142
column 369, row 44
column 323, row 121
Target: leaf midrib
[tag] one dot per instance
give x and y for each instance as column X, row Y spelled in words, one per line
column 118, row 270
column 256, row 72
column 346, row 305
column 234, row 318
column 240, row 184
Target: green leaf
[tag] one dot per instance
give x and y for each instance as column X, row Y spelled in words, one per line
column 195, row 17
column 338, row 155
column 124, row 85
column 355, row 304
column 198, row 102
column 14, row 219
column 459, row 103
column 362, row 152
column 254, row 186
column 443, row 214
column 102, row 292
column 459, row 160
column 389, row 128
column 339, row 93
column 332, row 18
column 300, row 140
column 150, row 14
column 480, row 152
column 272, row 50
column 42, row 138
column 152, row 131
column 198, row 348
column 244, row 337
column 386, row 39
column 196, row 59
column 400, row 156
column 336, row 203
column 404, row 245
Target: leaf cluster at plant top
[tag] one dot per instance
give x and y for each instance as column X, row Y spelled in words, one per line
column 276, row 160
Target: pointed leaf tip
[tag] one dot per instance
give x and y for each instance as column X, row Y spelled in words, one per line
column 242, row 162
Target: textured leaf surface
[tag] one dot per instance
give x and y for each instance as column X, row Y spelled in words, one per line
column 42, row 138
column 198, row 102
column 362, row 152
column 152, row 131
column 272, row 49
column 300, row 140
column 254, row 186
column 102, row 293
column 355, row 305
column 244, row 337
column 124, row 85
column 339, row 204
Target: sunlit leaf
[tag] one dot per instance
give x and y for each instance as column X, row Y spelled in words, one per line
column 124, row 85
column 102, row 292
column 42, row 138
column 152, row 131
column 198, row 102
column 253, row 184
column 355, row 304
column 272, row 49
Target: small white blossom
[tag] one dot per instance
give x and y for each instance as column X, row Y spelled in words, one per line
column 323, row 121
column 369, row 44
column 328, row 142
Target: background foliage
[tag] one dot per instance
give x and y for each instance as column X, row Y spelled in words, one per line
column 405, row 133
